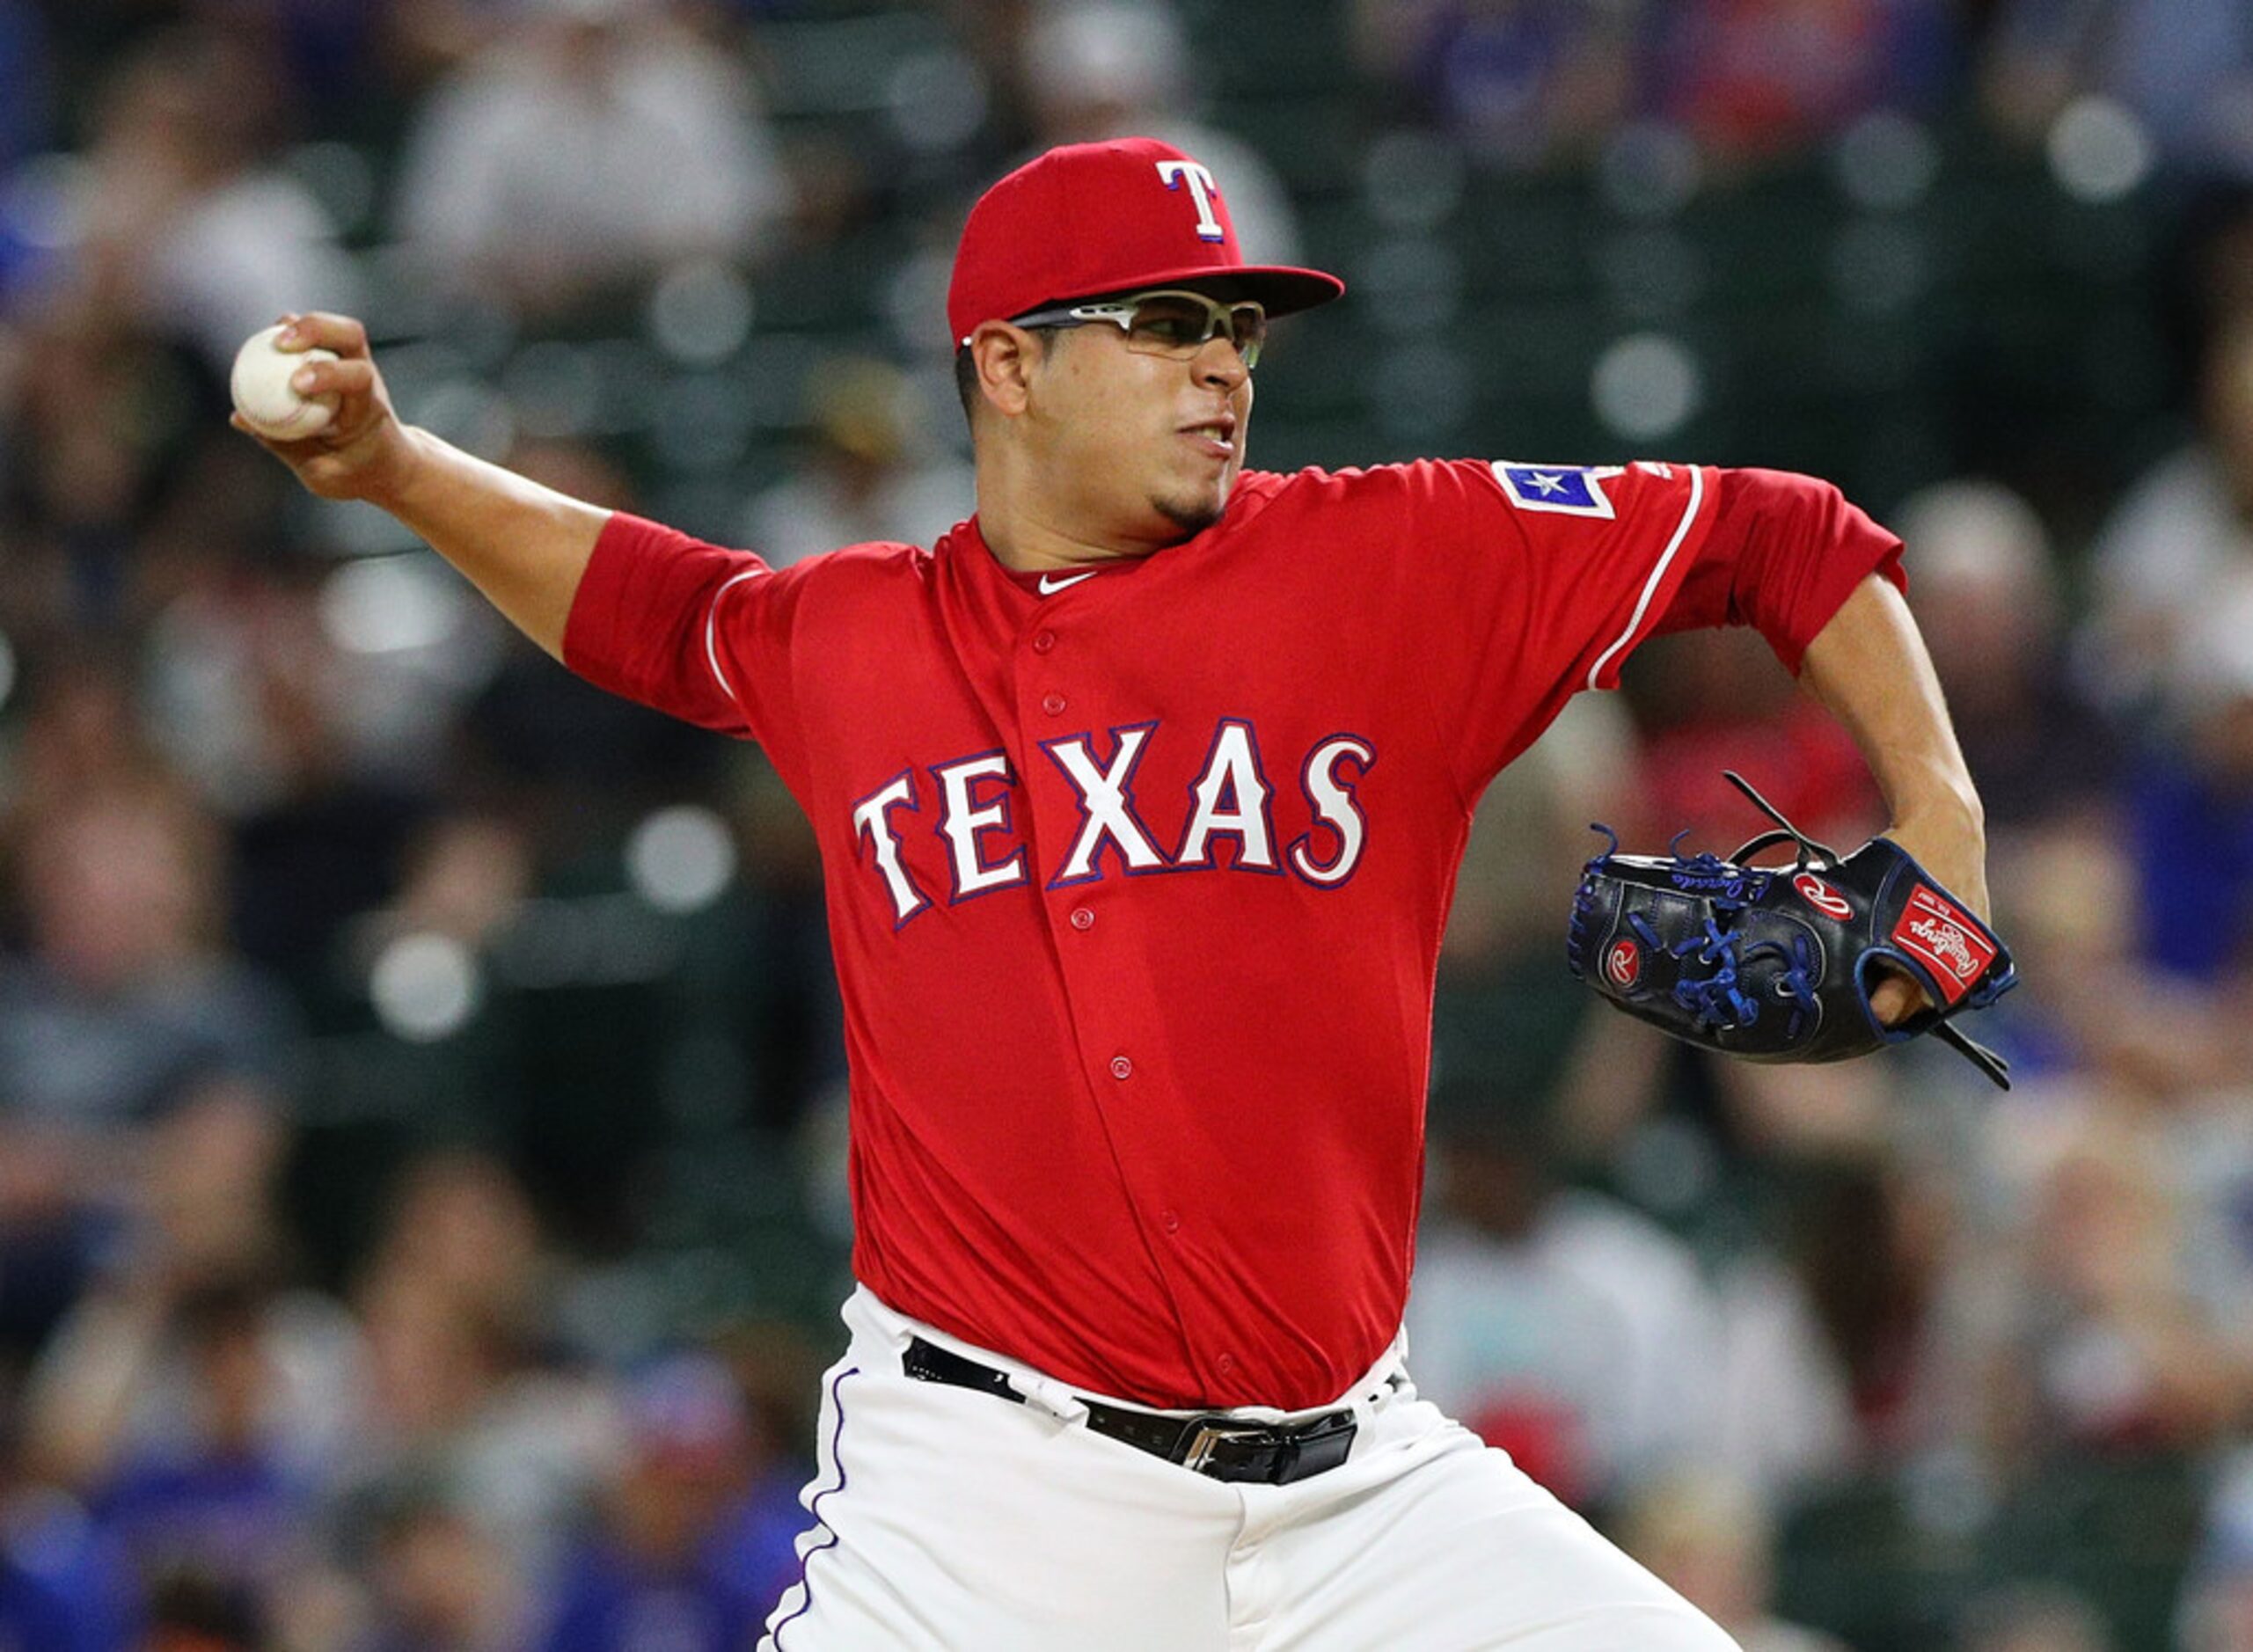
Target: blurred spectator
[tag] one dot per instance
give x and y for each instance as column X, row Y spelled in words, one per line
column 463, row 877
column 78, row 735
column 1752, row 79
column 201, row 1411
column 1710, row 700
column 1786, row 1420
column 204, row 1180
column 2033, row 1618
column 754, row 1550
column 189, row 1189
column 1531, row 833
column 580, row 153
column 2216, row 1613
column 185, row 207
column 2183, row 67
column 1874, row 1244
column 2104, row 1021
column 1983, row 582
column 461, row 1226
column 441, row 1582
column 274, row 685
column 2192, row 798
column 200, row 1414
column 108, row 423
column 311, row 703
column 2178, row 534
column 124, row 996
column 465, row 1389
column 423, row 39
column 870, row 475
column 1710, row 1537
column 2102, row 1333
column 659, row 1570
column 1521, row 83
column 1557, row 1324
column 62, row 1589
column 1101, row 69
column 1503, row 1010
column 213, row 1502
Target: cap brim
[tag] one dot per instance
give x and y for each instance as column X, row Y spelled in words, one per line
column 1278, row 289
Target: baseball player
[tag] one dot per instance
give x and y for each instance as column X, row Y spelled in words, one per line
column 1140, row 796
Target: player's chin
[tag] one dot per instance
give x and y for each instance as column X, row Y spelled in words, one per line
column 1192, row 510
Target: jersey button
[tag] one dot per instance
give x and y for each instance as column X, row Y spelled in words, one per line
column 1082, row 919
column 1043, row 641
column 1225, row 1364
column 1122, row 1068
column 1053, row 703
column 1173, row 1220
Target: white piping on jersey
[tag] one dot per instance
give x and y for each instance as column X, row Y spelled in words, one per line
column 1650, row 585
column 711, row 623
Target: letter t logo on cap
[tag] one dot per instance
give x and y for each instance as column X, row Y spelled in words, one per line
column 1174, row 174
column 1041, row 236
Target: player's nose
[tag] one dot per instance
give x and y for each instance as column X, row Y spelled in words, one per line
column 1218, row 364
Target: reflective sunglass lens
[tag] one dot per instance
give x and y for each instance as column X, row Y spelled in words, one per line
column 1179, row 324
column 1248, row 331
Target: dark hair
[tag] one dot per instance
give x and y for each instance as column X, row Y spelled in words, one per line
column 966, row 381
column 966, row 372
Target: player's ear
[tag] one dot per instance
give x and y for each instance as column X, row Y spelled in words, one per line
column 1006, row 358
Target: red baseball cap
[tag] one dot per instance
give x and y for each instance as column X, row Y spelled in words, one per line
column 1088, row 219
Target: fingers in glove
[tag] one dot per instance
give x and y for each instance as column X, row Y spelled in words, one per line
column 1896, row 997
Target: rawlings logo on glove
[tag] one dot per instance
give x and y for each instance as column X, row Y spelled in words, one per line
column 1950, row 940
column 1752, row 963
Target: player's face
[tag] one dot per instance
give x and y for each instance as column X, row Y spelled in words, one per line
column 1139, row 446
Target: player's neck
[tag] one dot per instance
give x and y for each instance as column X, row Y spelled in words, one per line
column 1028, row 533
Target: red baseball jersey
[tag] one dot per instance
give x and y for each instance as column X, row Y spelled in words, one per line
column 1136, row 877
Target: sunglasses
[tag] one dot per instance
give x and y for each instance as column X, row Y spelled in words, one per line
column 1171, row 324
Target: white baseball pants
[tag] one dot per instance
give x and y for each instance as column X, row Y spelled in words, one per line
column 948, row 1520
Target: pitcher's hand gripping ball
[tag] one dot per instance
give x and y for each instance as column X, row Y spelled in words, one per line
column 263, row 394
column 1777, row 963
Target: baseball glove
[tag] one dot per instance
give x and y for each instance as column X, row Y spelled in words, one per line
column 1776, row 964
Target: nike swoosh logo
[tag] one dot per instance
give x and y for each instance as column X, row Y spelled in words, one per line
column 1050, row 585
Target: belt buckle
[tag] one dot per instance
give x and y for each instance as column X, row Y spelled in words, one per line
column 1212, row 1433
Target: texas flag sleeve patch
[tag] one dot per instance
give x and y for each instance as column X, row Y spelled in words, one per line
column 1570, row 490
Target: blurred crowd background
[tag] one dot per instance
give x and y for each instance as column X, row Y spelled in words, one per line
column 422, row 1200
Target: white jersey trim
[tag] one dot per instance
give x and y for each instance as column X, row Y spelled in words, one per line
column 1657, row 574
column 711, row 633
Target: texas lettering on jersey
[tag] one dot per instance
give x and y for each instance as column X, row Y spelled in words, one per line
column 967, row 804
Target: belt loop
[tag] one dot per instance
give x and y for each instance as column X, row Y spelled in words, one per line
column 1387, row 1380
column 1050, row 1396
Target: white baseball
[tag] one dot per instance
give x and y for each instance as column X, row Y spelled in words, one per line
column 260, row 386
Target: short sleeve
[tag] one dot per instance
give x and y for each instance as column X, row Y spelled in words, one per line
column 691, row 629
column 1536, row 581
column 1529, row 582
column 1784, row 551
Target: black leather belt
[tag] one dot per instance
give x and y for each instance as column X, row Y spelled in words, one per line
column 1217, row 1447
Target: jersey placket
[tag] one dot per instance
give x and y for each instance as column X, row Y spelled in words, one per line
column 1092, row 918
